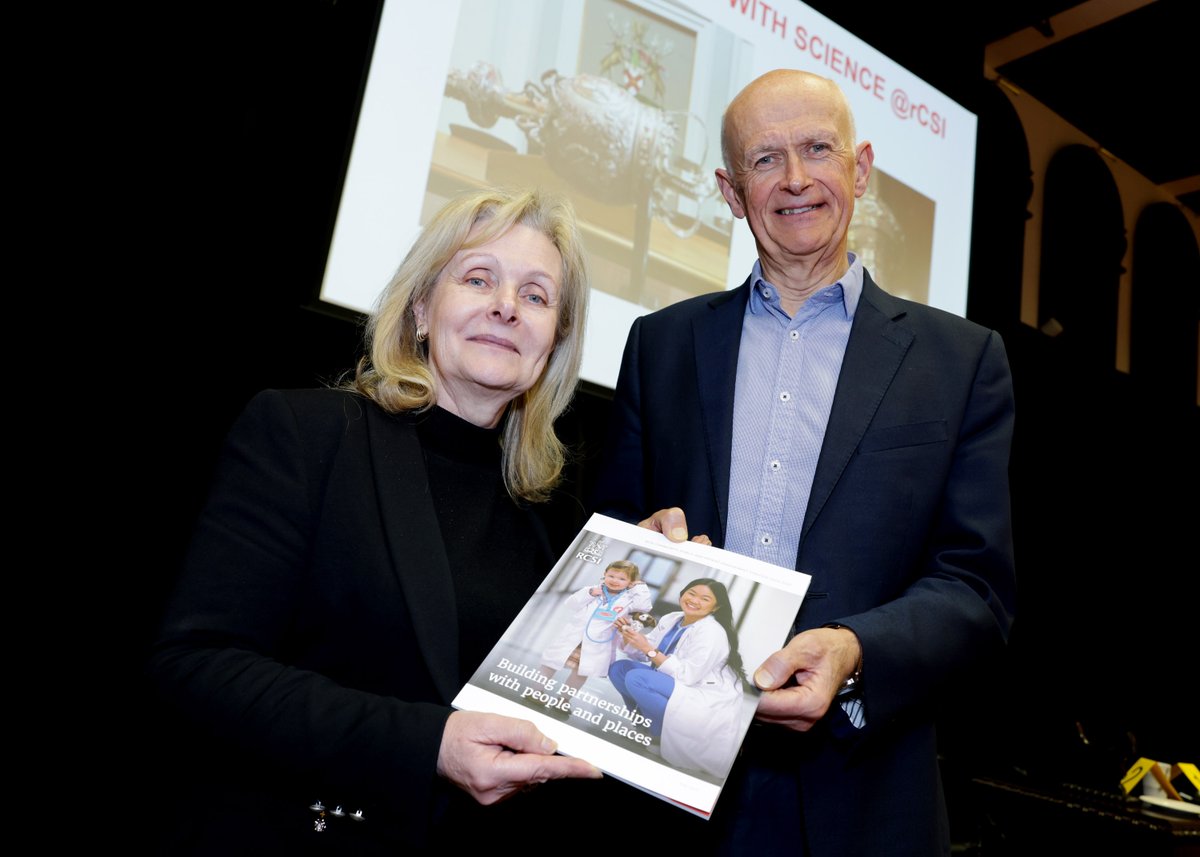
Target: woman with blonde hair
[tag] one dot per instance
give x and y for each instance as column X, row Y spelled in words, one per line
column 398, row 374
column 364, row 547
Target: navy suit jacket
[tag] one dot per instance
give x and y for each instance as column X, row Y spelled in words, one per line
column 907, row 537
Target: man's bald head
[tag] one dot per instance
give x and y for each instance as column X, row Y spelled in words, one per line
column 767, row 87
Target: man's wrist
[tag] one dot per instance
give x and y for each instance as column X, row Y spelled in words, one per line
column 852, row 683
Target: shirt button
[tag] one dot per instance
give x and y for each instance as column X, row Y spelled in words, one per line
column 785, row 396
column 767, row 294
column 766, row 540
column 795, row 334
column 775, row 465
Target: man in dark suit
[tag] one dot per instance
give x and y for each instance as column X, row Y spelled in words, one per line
column 810, row 419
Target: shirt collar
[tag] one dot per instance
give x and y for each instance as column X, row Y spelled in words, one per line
column 764, row 297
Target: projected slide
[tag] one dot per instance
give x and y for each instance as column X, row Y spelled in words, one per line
column 617, row 104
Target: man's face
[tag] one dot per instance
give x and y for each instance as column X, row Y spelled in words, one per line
column 794, row 174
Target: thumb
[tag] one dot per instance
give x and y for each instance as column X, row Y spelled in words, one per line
column 775, row 670
column 671, row 522
column 520, row 736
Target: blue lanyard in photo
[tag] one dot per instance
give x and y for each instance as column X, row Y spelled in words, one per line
column 603, row 612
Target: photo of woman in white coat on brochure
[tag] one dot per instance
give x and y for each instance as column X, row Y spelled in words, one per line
column 687, row 677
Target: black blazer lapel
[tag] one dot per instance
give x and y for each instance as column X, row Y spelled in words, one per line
column 717, row 337
column 414, row 544
column 879, row 339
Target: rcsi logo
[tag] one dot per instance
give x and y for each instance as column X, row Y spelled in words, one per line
column 593, row 551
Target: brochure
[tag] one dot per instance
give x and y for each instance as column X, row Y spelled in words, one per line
column 636, row 653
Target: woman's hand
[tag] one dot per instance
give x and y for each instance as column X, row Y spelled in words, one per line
column 492, row 757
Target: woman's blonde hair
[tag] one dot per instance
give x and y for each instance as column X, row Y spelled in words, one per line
column 395, row 373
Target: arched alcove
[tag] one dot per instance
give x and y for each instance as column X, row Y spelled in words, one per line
column 1165, row 307
column 1083, row 243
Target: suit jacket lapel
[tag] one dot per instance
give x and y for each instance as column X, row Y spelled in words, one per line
column 415, row 546
column 879, row 339
column 717, row 336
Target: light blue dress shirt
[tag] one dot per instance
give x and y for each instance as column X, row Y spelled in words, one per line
column 786, row 377
column 787, row 373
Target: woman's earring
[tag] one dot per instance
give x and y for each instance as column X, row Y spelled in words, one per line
column 422, row 334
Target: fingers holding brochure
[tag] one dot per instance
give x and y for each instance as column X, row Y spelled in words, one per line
column 672, row 523
column 492, row 757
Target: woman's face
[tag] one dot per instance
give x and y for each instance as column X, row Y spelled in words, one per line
column 697, row 602
column 491, row 321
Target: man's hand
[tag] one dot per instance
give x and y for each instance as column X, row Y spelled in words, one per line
column 801, row 679
column 492, row 757
column 672, row 523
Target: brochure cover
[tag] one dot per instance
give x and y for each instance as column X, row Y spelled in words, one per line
column 636, row 653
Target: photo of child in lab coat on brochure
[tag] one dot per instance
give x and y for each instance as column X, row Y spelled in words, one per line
column 633, row 654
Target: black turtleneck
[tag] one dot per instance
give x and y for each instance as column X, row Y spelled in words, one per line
column 497, row 549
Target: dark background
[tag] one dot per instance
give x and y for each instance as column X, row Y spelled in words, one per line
column 217, row 139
